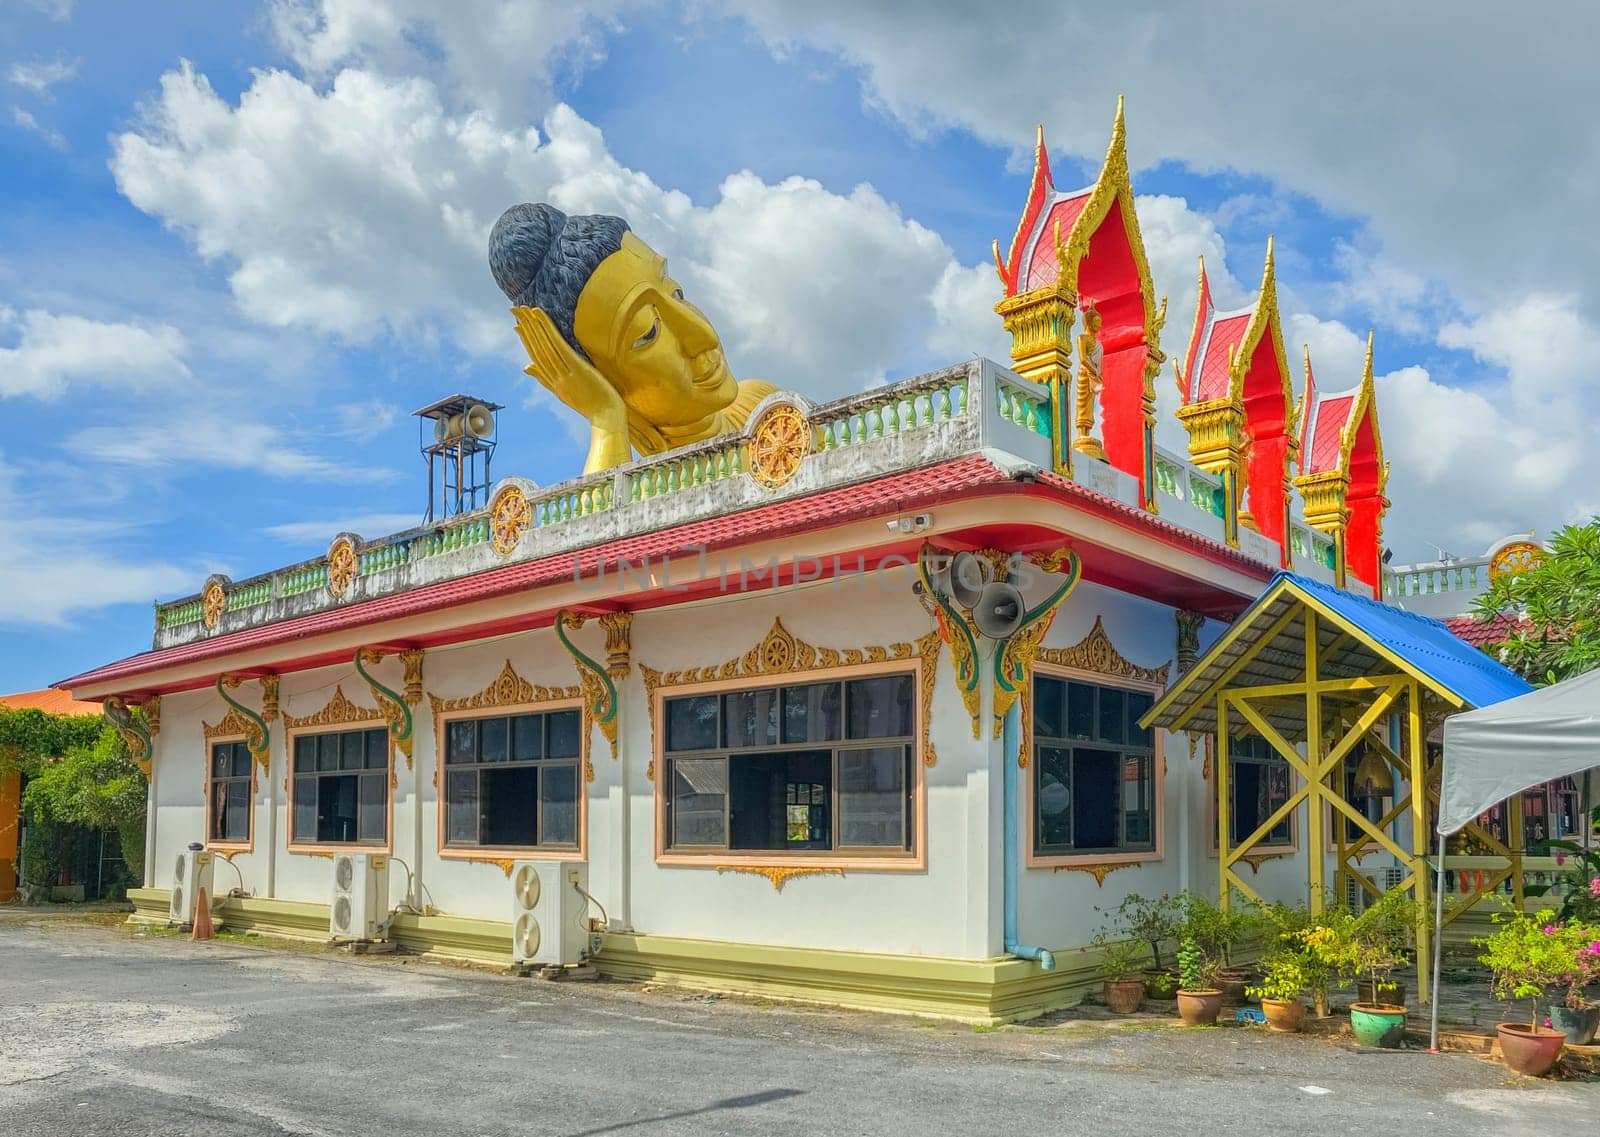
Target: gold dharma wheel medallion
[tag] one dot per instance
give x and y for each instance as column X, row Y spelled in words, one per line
column 344, row 565
column 779, row 441
column 510, row 515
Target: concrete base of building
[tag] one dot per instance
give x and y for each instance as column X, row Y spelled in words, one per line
column 1000, row 989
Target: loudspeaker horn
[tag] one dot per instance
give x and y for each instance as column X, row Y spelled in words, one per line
column 998, row 611
column 968, row 576
column 479, row 421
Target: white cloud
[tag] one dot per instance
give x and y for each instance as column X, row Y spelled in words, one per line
column 1473, row 159
column 43, row 74
column 216, row 443
column 58, row 10
column 24, row 119
column 366, row 207
column 363, row 421
column 53, row 566
column 320, row 533
column 54, row 352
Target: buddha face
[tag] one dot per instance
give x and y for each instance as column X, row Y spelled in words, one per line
column 655, row 347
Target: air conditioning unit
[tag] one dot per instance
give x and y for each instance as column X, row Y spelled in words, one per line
column 1359, row 899
column 549, row 916
column 191, row 873
column 360, row 897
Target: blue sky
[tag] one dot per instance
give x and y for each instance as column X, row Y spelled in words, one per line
column 235, row 253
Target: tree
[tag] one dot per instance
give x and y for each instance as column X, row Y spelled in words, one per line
column 78, row 773
column 1559, row 602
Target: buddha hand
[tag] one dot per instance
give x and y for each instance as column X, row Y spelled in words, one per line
column 577, row 383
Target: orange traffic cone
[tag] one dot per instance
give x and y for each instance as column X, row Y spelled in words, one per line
column 202, row 929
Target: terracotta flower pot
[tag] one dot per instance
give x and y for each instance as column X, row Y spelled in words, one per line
column 1528, row 1050
column 1283, row 1015
column 1231, row 981
column 1160, row 984
column 1378, row 1024
column 1199, row 1008
column 1124, row 996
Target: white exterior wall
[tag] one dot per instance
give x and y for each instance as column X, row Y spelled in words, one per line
column 953, row 908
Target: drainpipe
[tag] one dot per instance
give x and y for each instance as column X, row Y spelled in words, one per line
column 1010, row 729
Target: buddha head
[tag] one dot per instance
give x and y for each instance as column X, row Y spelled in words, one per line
column 616, row 312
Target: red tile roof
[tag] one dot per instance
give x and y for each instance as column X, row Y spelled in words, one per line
column 1214, row 379
column 1332, row 413
column 50, row 701
column 1482, row 633
column 892, row 494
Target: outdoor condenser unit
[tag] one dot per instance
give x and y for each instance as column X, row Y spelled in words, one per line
column 191, row 873
column 549, row 916
column 360, row 897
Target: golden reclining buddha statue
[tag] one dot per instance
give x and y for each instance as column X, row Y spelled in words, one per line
column 611, row 335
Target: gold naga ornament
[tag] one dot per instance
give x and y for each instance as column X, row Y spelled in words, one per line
column 611, row 335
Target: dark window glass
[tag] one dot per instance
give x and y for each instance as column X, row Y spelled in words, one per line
column 237, row 811
column 872, row 797
column 1080, row 711
column 1112, row 717
column 527, row 738
column 750, row 718
column 780, row 801
column 879, row 708
column 1258, row 785
column 241, row 760
column 692, row 723
column 509, row 806
column 461, row 741
column 564, row 734
column 341, row 788
column 1049, row 708
column 494, row 742
column 1053, row 799
column 461, row 808
column 809, row 796
column 230, row 792
column 699, row 801
column 353, row 751
column 513, row 782
column 811, row 713
column 558, row 805
column 1094, row 781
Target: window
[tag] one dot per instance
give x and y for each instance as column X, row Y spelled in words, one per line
column 1258, row 783
column 341, row 788
column 803, row 768
column 511, row 782
column 1093, row 771
column 230, row 793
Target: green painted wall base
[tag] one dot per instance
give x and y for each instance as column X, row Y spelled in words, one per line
column 995, row 990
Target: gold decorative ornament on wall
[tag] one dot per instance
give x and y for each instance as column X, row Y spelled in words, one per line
column 510, row 515
column 344, row 565
column 338, row 711
column 1100, row 870
column 507, row 689
column 778, row 876
column 780, row 439
column 1518, row 556
column 213, row 603
column 1096, row 653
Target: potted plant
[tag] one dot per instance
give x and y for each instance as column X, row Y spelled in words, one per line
column 1369, row 947
column 1199, row 998
column 1216, row 933
column 1575, row 1016
column 1292, row 965
column 1121, row 968
column 1527, row 955
column 1155, row 920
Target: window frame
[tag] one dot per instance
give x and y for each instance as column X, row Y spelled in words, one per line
column 247, row 845
column 853, row 857
column 1260, row 852
column 389, row 785
column 501, row 853
column 1158, row 775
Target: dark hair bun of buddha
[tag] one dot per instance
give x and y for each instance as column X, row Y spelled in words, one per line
column 541, row 258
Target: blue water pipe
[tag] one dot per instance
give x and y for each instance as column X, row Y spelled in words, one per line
column 1010, row 729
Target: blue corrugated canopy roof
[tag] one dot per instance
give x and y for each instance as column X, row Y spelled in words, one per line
column 1356, row 637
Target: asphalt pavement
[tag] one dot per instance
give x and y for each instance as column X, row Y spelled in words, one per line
column 106, row 1032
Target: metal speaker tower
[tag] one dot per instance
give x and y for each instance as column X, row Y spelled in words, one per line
column 457, row 443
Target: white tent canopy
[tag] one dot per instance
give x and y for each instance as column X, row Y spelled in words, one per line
column 1494, row 753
